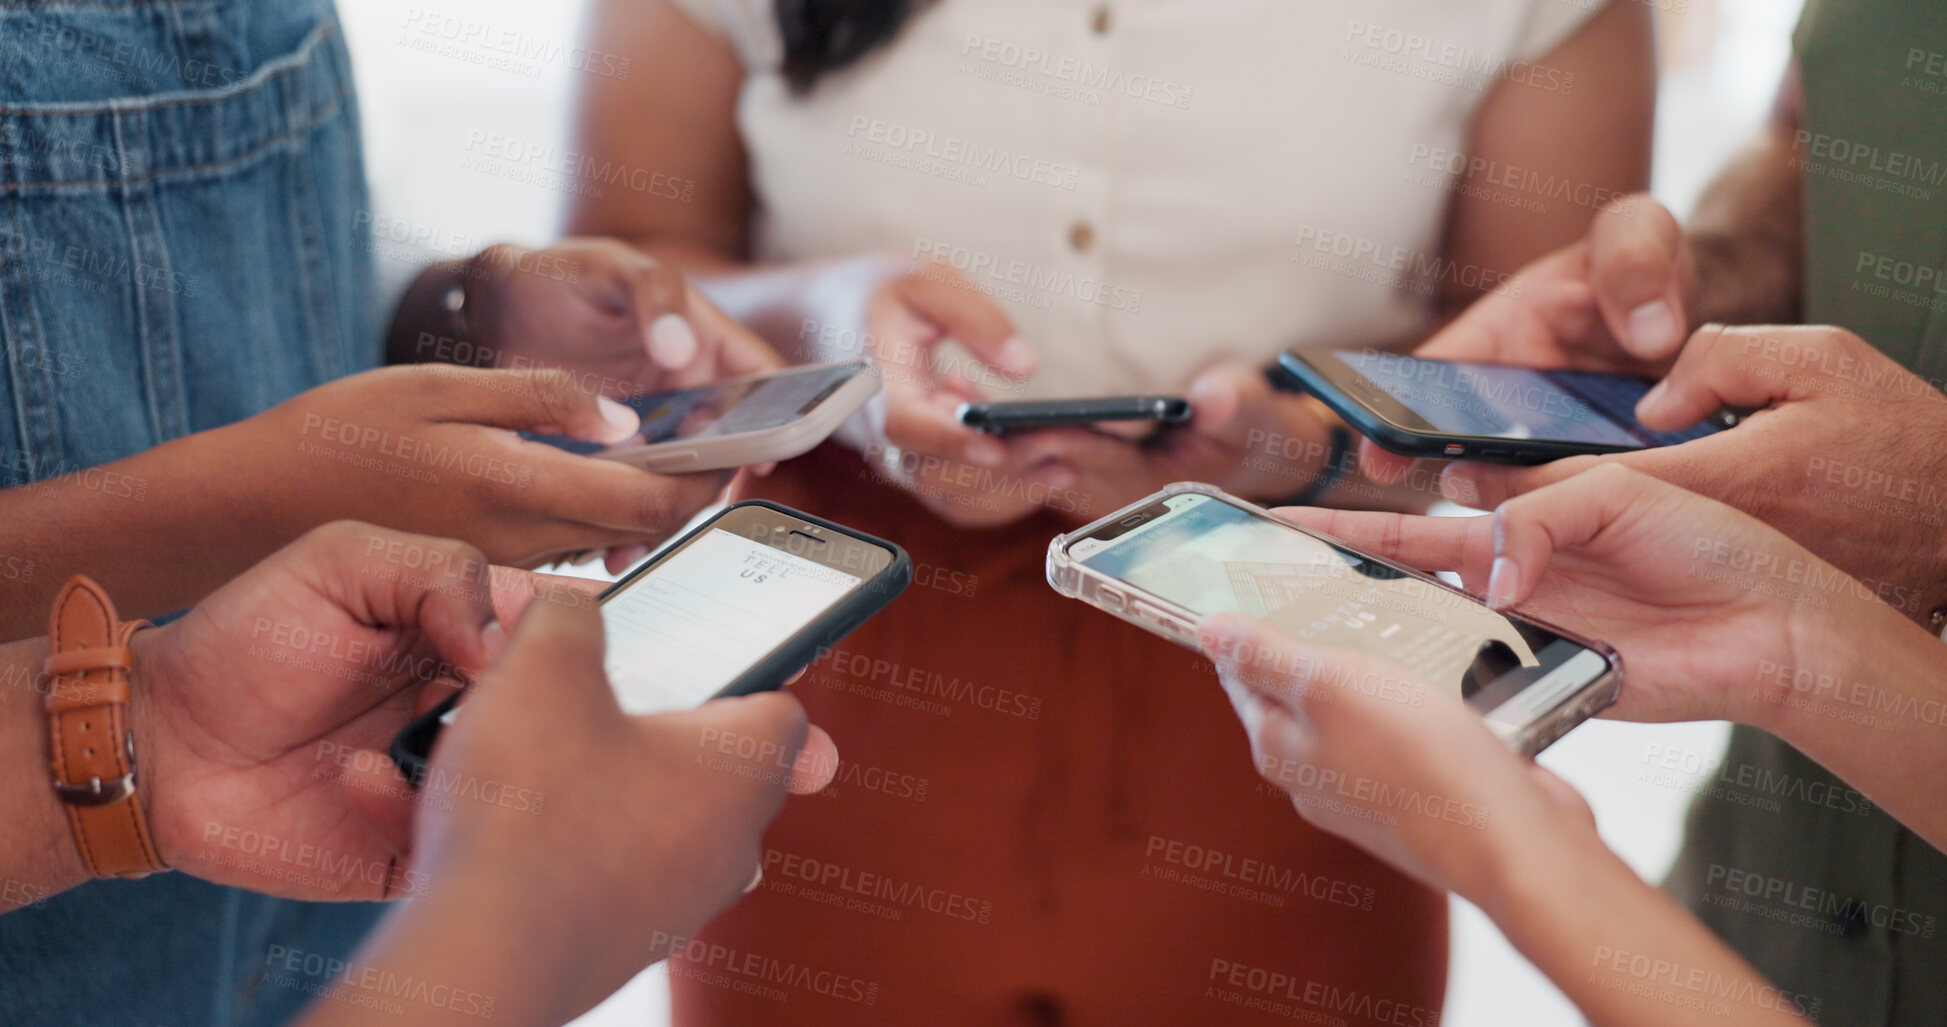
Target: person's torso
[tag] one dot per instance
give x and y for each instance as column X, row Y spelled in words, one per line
column 180, row 193
column 1147, row 187
column 180, row 188
column 1829, row 898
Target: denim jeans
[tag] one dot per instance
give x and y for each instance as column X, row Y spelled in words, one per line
column 180, row 192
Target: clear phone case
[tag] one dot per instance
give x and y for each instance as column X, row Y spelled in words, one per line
column 1159, row 616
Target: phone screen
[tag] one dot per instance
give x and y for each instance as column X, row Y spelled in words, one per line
column 1208, row 556
column 707, row 613
column 756, row 403
column 1517, row 402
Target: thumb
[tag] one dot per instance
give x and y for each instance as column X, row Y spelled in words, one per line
column 1218, row 399
column 1637, row 265
column 976, row 322
column 1530, row 529
column 1752, row 367
column 660, row 299
column 547, row 402
column 551, row 676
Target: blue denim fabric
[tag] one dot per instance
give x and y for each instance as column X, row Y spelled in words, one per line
column 180, row 185
column 180, row 193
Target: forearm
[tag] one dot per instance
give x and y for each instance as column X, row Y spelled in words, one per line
column 1623, row 951
column 159, row 530
column 479, row 949
column 1867, row 699
column 1746, row 239
column 37, row 854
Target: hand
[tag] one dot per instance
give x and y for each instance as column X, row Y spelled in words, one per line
column 627, row 322
column 1244, row 437
column 899, row 313
column 1695, row 595
column 241, row 705
column 433, row 449
column 659, row 816
column 1424, row 787
column 1615, row 301
column 1840, row 457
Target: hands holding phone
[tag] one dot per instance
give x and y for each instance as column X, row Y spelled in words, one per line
column 1828, row 457
column 260, row 722
column 1716, row 616
column 1244, row 436
column 900, row 313
column 601, row 307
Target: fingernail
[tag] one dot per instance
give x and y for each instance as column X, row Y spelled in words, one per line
column 1018, row 357
column 672, row 344
column 622, row 421
column 493, row 639
column 1652, row 327
column 1653, row 398
column 985, row 452
column 1501, row 582
column 623, row 557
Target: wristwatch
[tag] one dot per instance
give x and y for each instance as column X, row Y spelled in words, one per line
column 91, row 747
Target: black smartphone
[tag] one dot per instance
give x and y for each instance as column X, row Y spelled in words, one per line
column 1164, row 562
column 1517, row 415
column 736, row 606
column 1021, row 415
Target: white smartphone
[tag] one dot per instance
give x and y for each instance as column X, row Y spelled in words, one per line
column 1166, row 561
column 735, row 423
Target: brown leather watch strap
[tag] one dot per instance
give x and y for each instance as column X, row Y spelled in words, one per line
column 91, row 747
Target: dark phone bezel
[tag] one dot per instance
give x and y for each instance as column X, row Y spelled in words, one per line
column 1578, row 706
column 999, row 418
column 1374, row 413
column 412, row 748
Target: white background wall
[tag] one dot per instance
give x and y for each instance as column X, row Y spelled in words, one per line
column 427, row 114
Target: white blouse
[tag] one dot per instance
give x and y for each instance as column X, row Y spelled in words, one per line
column 1147, row 186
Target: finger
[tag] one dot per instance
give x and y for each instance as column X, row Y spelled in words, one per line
column 972, row 319
column 375, row 789
column 1461, row 544
column 618, row 559
column 913, row 423
column 552, row 672
column 1381, row 464
column 548, row 401
column 446, row 597
column 816, row 765
column 659, row 299
column 1484, row 486
column 739, row 351
column 1218, row 398
column 626, row 500
column 1750, row 367
column 514, row 589
column 1530, row 529
column 1636, row 267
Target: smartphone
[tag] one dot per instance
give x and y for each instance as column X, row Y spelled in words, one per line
column 1190, row 550
column 736, row 606
column 1021, row 415
column 1436, row 408
column 750, row 420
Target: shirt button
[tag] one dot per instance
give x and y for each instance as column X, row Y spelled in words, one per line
column 1100, row 22
column 1081, row 236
